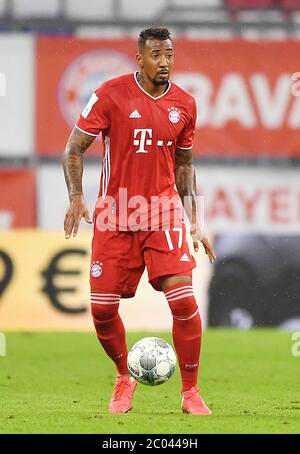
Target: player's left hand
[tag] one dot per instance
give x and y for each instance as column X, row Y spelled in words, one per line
column 209, row 250
column 197, row 237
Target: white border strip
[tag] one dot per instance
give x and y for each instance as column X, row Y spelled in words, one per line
column 158, row 97
column 88, row 133
column 176, row 290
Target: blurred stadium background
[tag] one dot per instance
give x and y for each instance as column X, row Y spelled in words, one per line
column 237, row 58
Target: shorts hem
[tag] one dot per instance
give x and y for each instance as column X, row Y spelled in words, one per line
column 155, row 281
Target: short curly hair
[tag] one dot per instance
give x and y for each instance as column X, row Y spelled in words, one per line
column 153, row 33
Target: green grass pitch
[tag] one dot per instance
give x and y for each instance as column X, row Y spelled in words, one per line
column 62, row 382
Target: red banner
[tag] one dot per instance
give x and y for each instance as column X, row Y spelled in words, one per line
column 244, row 91
column 18, row 200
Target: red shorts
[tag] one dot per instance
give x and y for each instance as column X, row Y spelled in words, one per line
column 119, row 259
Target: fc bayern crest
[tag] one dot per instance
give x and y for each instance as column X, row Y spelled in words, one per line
column 85, row 74
column 96, row 269
column 174, row 114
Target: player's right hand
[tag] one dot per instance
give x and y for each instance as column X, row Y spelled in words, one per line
column 76, row 211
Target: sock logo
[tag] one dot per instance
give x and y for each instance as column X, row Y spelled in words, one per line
column 119, row 356
column 191, row 366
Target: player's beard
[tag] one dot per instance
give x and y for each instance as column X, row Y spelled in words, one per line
column 159, row 82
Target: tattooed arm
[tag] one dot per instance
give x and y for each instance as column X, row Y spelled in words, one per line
column 73, row 168
column 185, row 177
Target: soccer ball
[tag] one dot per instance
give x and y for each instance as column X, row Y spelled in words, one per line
column 151, row 361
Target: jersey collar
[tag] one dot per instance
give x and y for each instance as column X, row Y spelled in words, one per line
column 152, row 97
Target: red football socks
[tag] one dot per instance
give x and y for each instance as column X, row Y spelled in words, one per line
column 187, row 331
column 111, row 333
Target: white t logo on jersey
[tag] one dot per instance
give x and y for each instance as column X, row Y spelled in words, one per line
column 143, row 140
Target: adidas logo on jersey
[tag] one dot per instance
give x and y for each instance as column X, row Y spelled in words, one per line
column 184, row 258
column 135, row 114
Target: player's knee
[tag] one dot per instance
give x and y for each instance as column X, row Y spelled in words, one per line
column 182, row 304
column 104, row 312
column 104, row 306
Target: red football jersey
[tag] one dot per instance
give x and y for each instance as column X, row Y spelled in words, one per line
column 140, row 134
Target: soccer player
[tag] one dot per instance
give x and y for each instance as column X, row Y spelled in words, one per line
column 147, row 126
